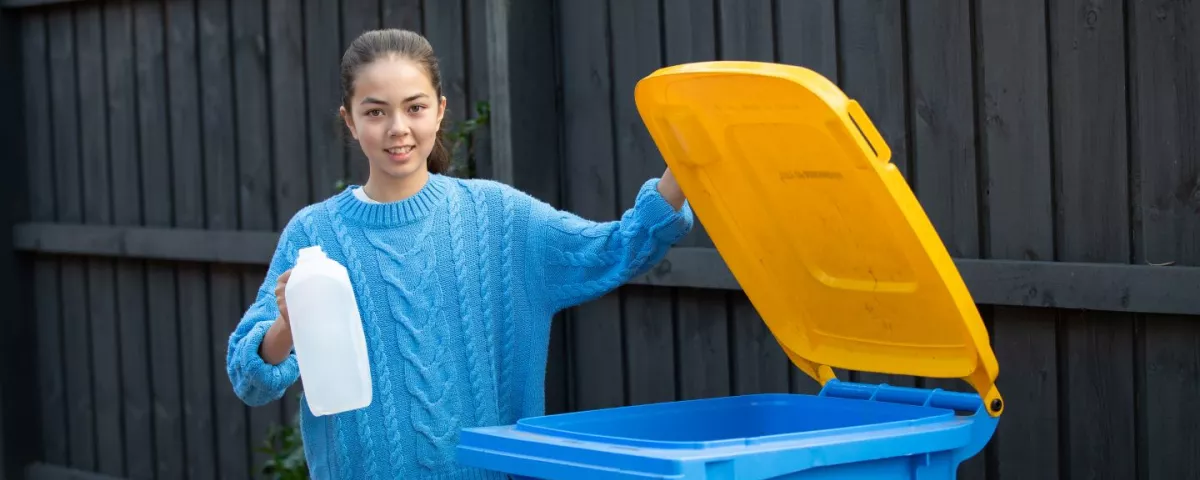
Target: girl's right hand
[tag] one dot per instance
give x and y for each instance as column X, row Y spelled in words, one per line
column 277, row 343
column 280, row 298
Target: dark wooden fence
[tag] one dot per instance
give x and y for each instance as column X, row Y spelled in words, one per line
column 1053, row 144
column 176, row 116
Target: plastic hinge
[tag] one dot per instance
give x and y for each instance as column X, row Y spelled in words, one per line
column 983, row 425
column 936, row 398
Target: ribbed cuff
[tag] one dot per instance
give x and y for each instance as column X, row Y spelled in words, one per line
column 262, row 375
column 666, row 224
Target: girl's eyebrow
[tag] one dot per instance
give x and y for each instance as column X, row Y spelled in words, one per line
column 373, row 100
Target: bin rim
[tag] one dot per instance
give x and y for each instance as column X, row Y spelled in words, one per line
column 553, row 454
column 796, row 189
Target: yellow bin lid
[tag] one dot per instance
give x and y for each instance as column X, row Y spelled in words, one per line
column 795, row 187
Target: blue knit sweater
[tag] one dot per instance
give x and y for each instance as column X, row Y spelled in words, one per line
column 457, row 286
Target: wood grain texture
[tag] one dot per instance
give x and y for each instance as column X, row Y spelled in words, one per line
column 39, row 144
column 97, row 209
column 1016, row 209
column 134, row 358
column 81, row 430
column 944, row 158
column 1165, row 116
column 158, row 209
column 219, row 130
column 1091, row 159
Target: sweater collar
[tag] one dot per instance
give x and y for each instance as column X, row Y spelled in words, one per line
column 397, row 213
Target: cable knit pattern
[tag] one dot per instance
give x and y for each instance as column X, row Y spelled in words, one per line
column 433, row 411
column 506, row 367
column 457, row 286
column 477, row 339
column 379, row 361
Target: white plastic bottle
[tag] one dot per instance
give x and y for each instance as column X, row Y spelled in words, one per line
column 327, row 335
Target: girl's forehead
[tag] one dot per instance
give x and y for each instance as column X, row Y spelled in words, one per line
column 401, row 76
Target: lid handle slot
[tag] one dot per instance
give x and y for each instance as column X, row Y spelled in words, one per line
column 864, row 126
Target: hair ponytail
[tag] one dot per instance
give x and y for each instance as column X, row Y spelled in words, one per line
column 439, row 158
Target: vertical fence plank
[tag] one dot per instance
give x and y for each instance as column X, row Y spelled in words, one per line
column 288, row 108
column 1018, row 224
column 97, row 209
column 73, row 288
column 646, row 311
column 1165, row 68
column 806, row 33
column 701, row 317
column 188, row 188
column 444, row 28
column 591, row 187
column 221, row 204
column 871, row 39
column 153, row 127
column 758, row 362
column 322, row 54
column 1091, row 156
column 942, row 96
column 478, row 71
column 403, row 14
column 39, row 128
column 944, row 121
column 358, row 16
column 746, row 31
column 255, row 174
column 130, row 282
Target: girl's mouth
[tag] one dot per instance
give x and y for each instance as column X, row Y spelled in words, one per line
column 400, row 153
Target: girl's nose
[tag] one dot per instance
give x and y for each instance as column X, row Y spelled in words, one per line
column 398, row 128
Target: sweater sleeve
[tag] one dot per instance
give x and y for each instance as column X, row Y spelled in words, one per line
column 254, row 380
column 576, row 260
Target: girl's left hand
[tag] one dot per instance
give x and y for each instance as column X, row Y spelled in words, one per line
column 669, row 189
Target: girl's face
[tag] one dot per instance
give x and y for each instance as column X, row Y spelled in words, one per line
column 395, row 116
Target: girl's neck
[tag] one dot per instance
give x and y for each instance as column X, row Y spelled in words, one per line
column 385, row 189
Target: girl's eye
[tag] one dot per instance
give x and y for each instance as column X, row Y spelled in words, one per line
column 374, row 112
column 416, row 108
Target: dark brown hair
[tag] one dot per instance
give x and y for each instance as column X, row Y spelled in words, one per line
column 375, row 44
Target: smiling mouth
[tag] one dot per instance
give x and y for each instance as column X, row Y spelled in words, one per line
column 400, row 150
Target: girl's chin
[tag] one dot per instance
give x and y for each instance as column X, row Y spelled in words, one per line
column 400, row 168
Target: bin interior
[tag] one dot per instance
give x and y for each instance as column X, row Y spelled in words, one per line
column 727, row 421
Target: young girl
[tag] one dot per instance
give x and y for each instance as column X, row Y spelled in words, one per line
column 456, row 280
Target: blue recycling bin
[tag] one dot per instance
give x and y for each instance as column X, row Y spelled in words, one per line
column 797, row 191
column 848, row 431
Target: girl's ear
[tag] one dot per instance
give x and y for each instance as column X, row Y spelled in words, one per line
column 441, row 110
column 349, row 121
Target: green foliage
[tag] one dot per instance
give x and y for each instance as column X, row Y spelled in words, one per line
column 286, row 450
column 459, row 141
